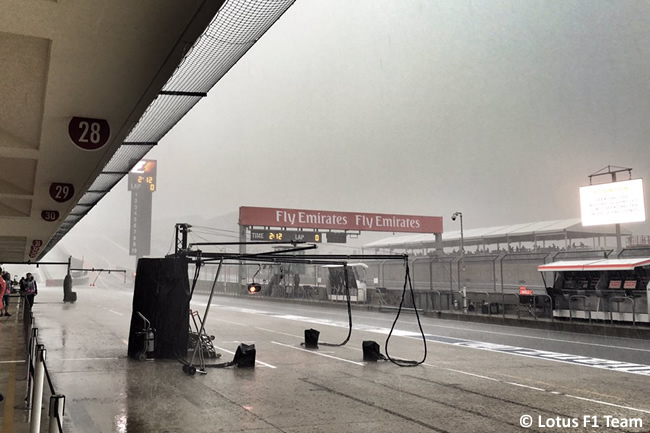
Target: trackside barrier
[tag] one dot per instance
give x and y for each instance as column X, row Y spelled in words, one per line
column 438, row 285
column 37, row 374
column 473, row 301
column 503, row 301
column 618, row 299
column 549, row 303
column 575, row 298
column 457, row 306
column 433, row 303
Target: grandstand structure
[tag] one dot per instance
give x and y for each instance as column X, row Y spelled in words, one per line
column 556, row 235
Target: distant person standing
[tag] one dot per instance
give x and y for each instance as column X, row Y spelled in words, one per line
column 296, row 283
column 31, row 289
column 67, row 289
column 5, row 298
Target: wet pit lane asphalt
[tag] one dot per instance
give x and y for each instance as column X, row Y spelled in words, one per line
column 476, row 378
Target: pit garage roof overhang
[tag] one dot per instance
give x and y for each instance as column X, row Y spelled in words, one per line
column 556, row 230
column 140, row 65
column 596, row 265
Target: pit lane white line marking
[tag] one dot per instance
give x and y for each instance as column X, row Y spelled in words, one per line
column 463, row 372
column 232, row 323
column 281, row 333
column 87, row 359
column 525, row 386
column 607, row 404
column 16, row 361
column 540, row 389
column 505, row 334
column 611, row 365
column 232, row 353
column 115, row 312
column 318, row 353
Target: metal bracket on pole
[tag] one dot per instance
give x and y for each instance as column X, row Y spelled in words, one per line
column 57, row 406
column 37, row 396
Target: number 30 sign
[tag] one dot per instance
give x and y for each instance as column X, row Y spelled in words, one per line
column 89, row 134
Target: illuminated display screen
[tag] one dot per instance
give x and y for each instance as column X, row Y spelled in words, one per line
column 285, row 236
column 142, row 176
column 612, row 203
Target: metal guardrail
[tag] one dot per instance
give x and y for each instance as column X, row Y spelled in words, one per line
column 619, row 299
column 575, row 298
column 36, row 374
column 539, row 305
column 433, row 303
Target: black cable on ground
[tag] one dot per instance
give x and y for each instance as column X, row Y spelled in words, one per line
column 222, row 365
column 404, row 362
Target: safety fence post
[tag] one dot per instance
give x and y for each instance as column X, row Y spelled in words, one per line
column 433, row 303
column 584, row 308
column 618, row 299
column 550, row 302
column 37, row 396
column 57, row 405
column 31, row 354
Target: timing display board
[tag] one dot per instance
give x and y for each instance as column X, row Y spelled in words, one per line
column 286, row 236
column 142, row 184
column 142, row 176
column 140, row 226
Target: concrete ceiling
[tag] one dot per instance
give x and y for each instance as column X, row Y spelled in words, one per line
column 97, row 59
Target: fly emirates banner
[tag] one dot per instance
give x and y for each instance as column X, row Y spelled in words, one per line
column 319, row 219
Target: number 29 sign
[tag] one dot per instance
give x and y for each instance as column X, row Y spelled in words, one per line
column 87, row 133
column 61, row 192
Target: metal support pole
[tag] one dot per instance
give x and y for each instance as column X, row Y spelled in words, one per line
column 197, row 348
column 31, row 351
column 618, row 226
column 464, row 292
column 57, row 405
column 503, row 296
column 241, row 279
column 461, row 263
column 37, row 397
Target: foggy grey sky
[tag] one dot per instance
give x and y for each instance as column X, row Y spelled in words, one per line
column 498, row 109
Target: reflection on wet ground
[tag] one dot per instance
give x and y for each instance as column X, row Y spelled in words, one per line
column 462, row 386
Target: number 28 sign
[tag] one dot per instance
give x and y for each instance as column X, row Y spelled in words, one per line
column 87, row 133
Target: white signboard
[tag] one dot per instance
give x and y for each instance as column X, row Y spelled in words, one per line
column 612, row 203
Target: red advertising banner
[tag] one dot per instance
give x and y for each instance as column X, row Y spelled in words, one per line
column 523, row 290
column 320, row 219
